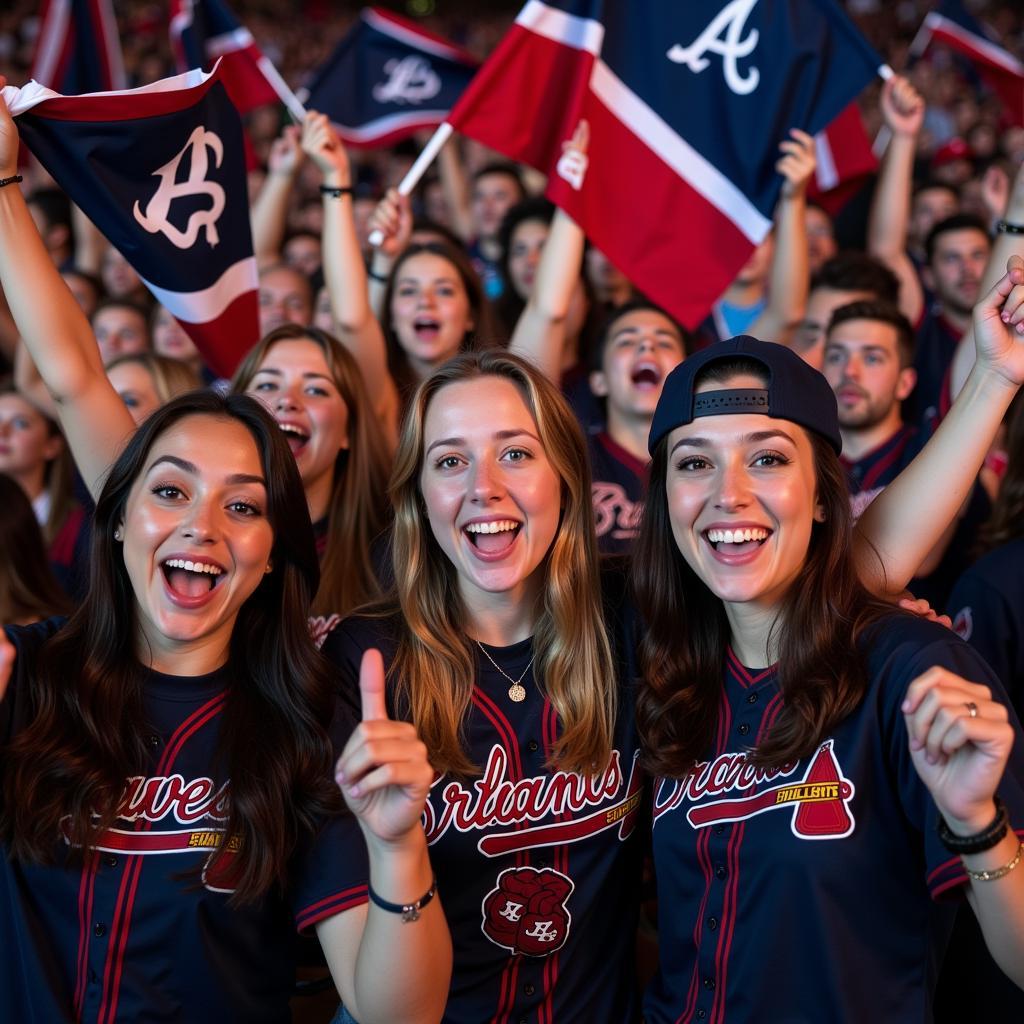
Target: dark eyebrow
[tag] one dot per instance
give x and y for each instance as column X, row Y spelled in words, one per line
column 279, row 373
column 501, row 435
column 756, row 438
column 190, row 467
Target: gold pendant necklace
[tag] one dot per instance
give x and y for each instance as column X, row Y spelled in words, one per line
column 516, row 692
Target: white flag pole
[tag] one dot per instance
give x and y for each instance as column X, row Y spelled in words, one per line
column 280, row 86
column 418, row 169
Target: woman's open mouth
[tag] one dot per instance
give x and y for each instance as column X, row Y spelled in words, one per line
column 191, row 582
column 296, row 437
column 494, row 539
column 426, row 328
column 741, row 541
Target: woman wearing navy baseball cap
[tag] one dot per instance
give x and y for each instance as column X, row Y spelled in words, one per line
column 825, row 763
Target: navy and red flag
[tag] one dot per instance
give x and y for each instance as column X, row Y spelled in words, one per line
column 78, row 49
column 845, row 161
column 952, row 25
column 686, row 104
column 203, row 31
column 161, row 172
column 388, row 78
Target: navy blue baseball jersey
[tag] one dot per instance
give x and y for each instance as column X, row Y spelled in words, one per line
column 618, row 482
column 539, row 870
column 801, row 893
column 138, row 929
column 869, row 475
column 986, row 607
column 936, row 344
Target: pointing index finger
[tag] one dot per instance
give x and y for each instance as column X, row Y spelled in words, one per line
column 371, row 686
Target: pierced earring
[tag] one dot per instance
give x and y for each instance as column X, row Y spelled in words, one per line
column 118, row 535
column 819, row 515
column 269, row 568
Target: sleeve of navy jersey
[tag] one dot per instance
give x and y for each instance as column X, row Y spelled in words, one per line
column 332, row 873
column 901, row 651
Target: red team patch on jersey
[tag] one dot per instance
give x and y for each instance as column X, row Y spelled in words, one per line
column 963, row 624
column 526, row 911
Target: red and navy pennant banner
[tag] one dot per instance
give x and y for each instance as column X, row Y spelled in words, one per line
column 845, row 161
column 203, row 31
column 78, row 49
column 387, row 79
column 681, row 108
column 161, row 172
column 1002, row 72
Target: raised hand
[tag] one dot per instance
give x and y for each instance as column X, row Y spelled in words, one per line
column 383, row 771
column 393, row 219
column 322, row 144
column 960, row 739
column 285, row 152
column 902, row 107
column 798, row 162
column 999, row 324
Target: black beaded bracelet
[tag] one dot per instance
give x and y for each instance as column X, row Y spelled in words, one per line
column 336, row 191
column 981, row 841
column 410, row 911
column 1006, row 227
column 14, row 179
column 370, row 272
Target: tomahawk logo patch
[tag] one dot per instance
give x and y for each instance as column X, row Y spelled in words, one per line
column 526, row 911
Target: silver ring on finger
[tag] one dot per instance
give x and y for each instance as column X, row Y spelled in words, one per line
column 972, row 708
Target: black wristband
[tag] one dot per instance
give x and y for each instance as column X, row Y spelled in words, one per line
column 336, row 191
column 409, row 911
column 988, row 837
column 1005, row 227
column 14, row 179
column 383, row 278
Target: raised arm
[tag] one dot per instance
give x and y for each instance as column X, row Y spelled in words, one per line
column 388, row 969
column 344, row 271
column 903, row 112
column 270, row 211
column 790, row 275
column 56, row 332
column 1007, row 243
column 905, row 521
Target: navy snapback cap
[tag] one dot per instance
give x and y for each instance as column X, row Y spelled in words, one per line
column 796, row 392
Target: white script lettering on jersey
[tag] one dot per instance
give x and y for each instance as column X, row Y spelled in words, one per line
column 730, row 20
column 410, row 80
column 494, row 800
column 155, row 217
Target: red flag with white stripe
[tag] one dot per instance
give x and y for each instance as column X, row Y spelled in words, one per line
column 845, row 161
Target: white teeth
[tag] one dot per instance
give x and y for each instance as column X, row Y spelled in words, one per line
column 181, row 563
column 499, row 526
column 736, row 536
column 290, row 428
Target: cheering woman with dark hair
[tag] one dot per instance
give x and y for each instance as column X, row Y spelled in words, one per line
column 138, row 716
column 824, row 763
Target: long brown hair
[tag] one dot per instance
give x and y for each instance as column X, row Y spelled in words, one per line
column 68, row 766
column 683, row 650
column 434, row 667
column 28, row 590
column 483, row 334
column 1006, row 522
column 357, row 512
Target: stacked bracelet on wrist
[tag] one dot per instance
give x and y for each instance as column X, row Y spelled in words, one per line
column 409, row 911
column 1005, row 227
column 370, row 272
column 336, row 191
column 993, row 873
column 14, row 179
column 991, row 835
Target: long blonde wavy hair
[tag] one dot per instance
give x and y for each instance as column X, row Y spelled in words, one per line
column 434, row 667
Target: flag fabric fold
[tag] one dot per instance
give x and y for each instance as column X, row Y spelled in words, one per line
column 845, row 161
column 387, row 79
column 78, row 49
column 161, row 172
column 684, row 107
column 1001, row 71
column 204, row 31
